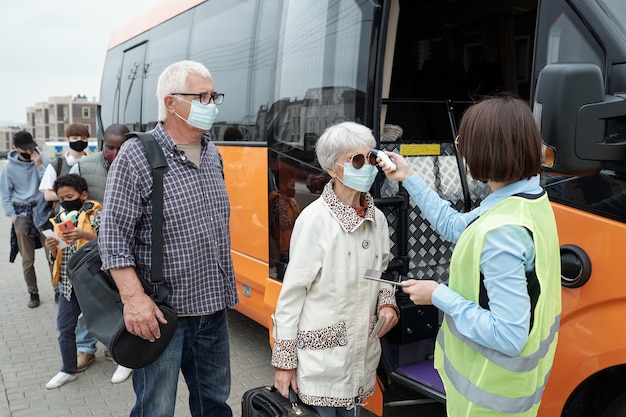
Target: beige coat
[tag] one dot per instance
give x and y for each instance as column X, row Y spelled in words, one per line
column 326, row 309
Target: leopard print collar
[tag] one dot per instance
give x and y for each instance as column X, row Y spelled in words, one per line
column 346, row 215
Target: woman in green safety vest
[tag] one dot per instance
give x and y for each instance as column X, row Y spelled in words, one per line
column 502, row 303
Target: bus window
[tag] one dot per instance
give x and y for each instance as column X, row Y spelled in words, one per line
column 616, row 8
column 164, row 48
column 220, row 38
column 284, row 209
column 111, row 78
column 603, row 194
column 568, row 44
column 131, row 81
column 262, row 82
column 321, row 71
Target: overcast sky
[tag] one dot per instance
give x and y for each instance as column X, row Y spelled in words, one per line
column 56, row 48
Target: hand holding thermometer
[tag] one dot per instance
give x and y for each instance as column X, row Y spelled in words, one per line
column 385, row 158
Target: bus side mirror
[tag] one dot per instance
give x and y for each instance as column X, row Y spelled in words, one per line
column 571, row 109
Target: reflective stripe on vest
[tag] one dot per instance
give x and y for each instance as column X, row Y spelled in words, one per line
column 513, row 364
column 492, row 401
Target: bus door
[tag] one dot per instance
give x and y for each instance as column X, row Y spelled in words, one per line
column 435, row 64
column 128, row 99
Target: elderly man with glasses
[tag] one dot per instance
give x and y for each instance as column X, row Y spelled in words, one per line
column 197, row 265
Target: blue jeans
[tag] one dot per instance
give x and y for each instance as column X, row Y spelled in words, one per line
column 200, row 349
column 338, row 412
column 84, row 341
column 67, row 316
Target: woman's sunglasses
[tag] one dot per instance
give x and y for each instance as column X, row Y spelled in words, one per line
column 358, row 160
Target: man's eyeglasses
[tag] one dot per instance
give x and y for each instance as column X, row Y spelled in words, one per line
column 358, row 160
column 205, row 98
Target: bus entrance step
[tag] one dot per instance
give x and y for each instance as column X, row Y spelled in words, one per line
column 423, row 372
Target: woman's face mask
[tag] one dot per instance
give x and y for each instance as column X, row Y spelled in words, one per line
column 200, row 115
column 359, row 179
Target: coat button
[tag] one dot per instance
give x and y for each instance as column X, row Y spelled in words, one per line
column 365, row 244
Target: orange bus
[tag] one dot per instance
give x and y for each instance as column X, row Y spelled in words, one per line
column 408, row 69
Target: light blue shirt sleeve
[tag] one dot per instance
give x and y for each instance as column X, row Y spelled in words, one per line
column 508, row 253
column 447, row 221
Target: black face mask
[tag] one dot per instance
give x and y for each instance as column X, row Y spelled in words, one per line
column 71, row 205
column 25, row 156
column 79, row 145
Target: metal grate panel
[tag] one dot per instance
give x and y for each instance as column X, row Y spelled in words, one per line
column 429, row 253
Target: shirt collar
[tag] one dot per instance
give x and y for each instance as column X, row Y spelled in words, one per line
column 346, row 215
column 168, row 144
column 529, row 186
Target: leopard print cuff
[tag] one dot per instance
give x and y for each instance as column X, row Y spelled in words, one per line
column 284, row 354
column 386, row 298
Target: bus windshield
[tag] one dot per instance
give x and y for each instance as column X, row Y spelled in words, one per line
column 616, row 9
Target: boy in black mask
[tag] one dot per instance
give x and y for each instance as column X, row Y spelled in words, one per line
column 77, row 223
column 77, row 136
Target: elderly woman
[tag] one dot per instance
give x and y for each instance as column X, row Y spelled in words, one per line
column 326, row 311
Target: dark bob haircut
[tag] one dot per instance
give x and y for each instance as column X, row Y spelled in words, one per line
column 500, row 140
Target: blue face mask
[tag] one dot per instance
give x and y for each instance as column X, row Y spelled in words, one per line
column 200, row 115
column 359, row 179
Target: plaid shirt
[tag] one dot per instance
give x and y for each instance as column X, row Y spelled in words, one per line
column 197, row 265
column 65, row 285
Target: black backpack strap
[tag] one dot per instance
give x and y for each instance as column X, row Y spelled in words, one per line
column 59, row 166
column 158, row 163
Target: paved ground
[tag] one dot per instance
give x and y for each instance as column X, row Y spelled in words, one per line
column 29, row 357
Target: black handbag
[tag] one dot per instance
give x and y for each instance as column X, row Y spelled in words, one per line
column 99, row 297
column 269, row 402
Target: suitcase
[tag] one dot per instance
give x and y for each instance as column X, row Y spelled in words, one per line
column 268, row 402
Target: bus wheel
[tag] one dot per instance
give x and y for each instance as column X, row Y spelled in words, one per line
column 617, row 408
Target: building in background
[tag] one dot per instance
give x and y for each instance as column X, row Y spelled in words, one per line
column 6, row 139
column 47, row 121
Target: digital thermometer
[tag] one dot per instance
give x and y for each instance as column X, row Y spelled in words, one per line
column 385, row 158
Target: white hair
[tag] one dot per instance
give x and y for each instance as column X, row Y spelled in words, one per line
column 173, row 79
column 339, row 139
